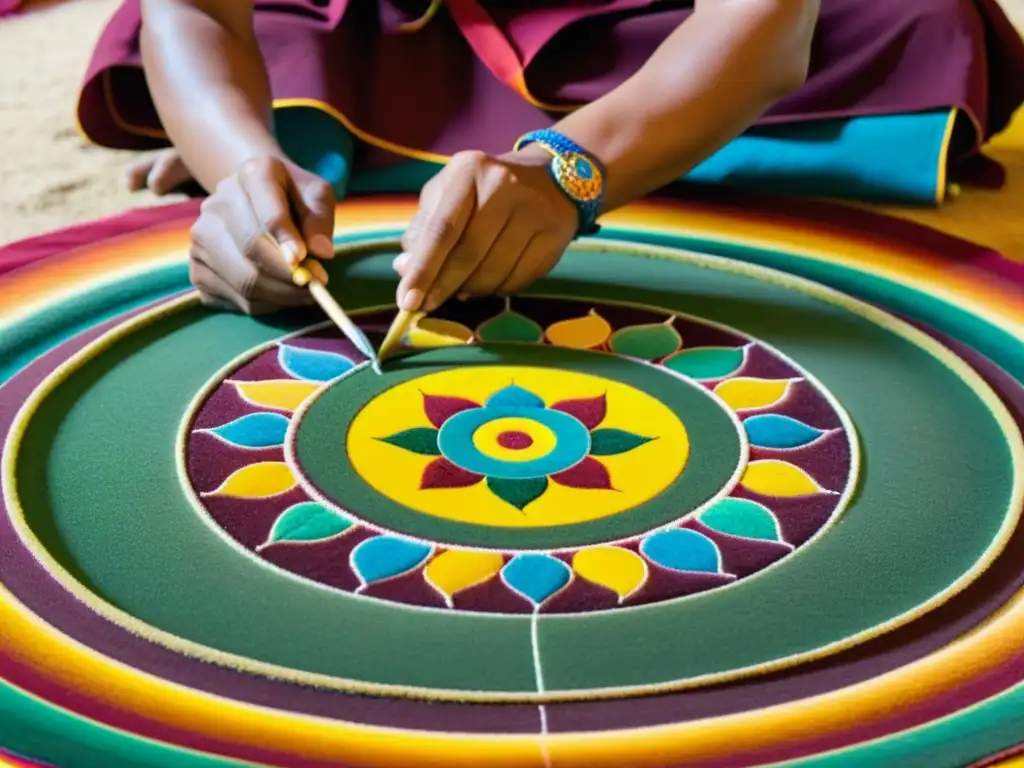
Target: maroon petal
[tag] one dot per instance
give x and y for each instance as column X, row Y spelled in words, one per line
column 589, row 473
column 590, row 411
column 440, row 408
column 441, row 473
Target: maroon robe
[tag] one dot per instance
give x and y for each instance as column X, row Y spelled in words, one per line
column 479, row 74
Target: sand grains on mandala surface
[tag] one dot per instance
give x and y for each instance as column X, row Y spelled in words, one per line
column 523, row 460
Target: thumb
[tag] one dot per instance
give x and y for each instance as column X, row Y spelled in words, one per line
column 314, row 207
column 265, row 182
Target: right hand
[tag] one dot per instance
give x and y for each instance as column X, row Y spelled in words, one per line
column 254, row 229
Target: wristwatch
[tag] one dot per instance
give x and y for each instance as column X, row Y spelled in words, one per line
column 577, row 173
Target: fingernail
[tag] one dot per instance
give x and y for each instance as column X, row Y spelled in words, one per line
column 317, row 269
column 322, row 246
column 291, row 253
column 413, row 300
column 399, row 261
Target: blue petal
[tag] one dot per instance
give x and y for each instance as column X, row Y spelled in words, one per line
column 312, row 364
column 385, row 556
column 536, row 577
column 257, row 430
column 514, row 396
column 682, row 550
column 774, row 431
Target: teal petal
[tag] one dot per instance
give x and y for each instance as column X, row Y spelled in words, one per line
column 421, row 440
column 256, row 430
column 308, row 521
column 647, row 342
column 519, row 492
column 772, row 430
column 706, row 363
column 514, row 396
column 742, row 517
column 612, row 442
column 535, row 576
column 383, row 557
column 312, row 364
column 682, row 550
column 509, row 326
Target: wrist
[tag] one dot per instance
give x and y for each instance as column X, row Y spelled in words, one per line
column 621, row 143
column 577, row 174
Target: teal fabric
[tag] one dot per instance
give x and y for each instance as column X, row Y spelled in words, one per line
column 879, row 159
column 886, row 158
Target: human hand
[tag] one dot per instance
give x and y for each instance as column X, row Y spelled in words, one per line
column 254, row 229
column 484, row 225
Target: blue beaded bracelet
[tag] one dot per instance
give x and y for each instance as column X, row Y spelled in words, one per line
column 577, row 173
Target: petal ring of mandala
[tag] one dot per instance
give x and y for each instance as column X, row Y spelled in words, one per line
column 549, row 484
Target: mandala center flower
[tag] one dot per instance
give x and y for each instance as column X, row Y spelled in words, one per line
column 532, row 449
column 515, row 440
column 546, row 441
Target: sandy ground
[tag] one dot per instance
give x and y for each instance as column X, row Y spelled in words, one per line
column 50, row 177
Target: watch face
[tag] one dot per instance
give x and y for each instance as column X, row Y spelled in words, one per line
column 579, row 176
column 584, row 169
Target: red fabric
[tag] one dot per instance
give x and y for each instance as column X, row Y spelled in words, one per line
column 460, row 73
column 24, row 252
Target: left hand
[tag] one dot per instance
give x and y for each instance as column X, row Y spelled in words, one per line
column 485, row 225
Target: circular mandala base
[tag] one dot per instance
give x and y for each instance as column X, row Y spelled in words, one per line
column 669, row 506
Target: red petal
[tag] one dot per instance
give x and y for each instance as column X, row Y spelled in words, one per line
column 441, row 473
column 440, row 408
column 589, row 473
column 591, row 411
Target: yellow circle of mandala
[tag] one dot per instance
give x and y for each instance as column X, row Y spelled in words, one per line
column 539, row 439
column 635, row 476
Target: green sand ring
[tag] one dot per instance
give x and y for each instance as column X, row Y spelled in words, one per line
column 717, row 451
column 124, row 547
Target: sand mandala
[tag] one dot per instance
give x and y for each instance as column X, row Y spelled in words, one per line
column 537, row 461
column 729, row 483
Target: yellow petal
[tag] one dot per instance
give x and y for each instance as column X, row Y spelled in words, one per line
column 619, row 570
column 429, row 333
column 743, row 392
column 585, row 332
column 779, row 478
column 257, row 481
column 283, row 395
column 455, row 570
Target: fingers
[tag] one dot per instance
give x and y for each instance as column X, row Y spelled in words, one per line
column 436, row 229
column 136, row 173
column 265, row 182
column 219, row 270
column 252, row 233
column 469, row 256
column 504, row 256
column 539, row 257
column 315, row 207
column 168, row 173
column 161, row 172
column 262, row 294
